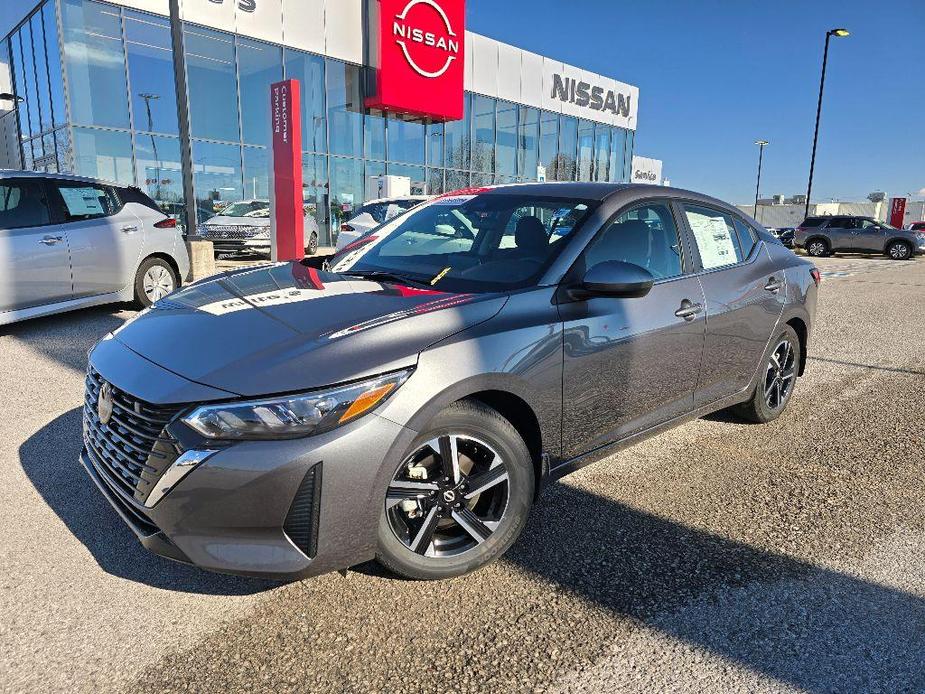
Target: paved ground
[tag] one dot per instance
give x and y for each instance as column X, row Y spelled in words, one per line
column 720, row 557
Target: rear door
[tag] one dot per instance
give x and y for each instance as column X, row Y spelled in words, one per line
column 34, row 264
column 744, row 293
column 106, row 239
column 840, row 233
column 630, row 364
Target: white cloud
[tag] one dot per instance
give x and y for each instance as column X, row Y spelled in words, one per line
column 922, row 192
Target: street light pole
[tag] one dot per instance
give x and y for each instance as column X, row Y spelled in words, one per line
column 761, row 145
column 186, row 146
column 812, row 162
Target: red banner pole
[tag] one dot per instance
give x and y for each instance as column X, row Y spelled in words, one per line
column 288, row 209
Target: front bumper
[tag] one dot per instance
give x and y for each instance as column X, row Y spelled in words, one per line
column 230, row 513
column 232, row 247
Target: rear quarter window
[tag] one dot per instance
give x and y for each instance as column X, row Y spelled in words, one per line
column 812, row 222
column 137, row 196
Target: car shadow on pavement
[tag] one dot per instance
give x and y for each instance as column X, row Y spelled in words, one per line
column 50, row 460
column 798, row 623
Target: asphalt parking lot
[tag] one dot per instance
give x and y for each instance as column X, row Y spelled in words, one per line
column 721, row 556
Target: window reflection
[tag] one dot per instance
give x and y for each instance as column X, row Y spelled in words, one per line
column 150, row 66
column 210, row 68
column 458, row 139
column 158, row 172
column 528, row 142
column 259, row 66
column 618, row 142
column 507, row 139
column 414, row 173
column 103, row 154
column 95, row 61
column 41, row 72
column 585, row 149
column 56, row 83
column 435, row 139
column 256, row 173
column 483, row 121
column 374, row 135
column 602, row 135
column 549, row 143
column 568, row 142
column 345, row 107
column 348, row 190
column 309, row 70
column 216, row 177
column 315, row 194
column 406, row 141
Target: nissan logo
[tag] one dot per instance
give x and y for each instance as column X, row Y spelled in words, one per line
column 449, row 496
column 104, row 404
column 408, row 35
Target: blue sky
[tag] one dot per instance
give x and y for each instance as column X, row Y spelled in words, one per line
column 716, row 75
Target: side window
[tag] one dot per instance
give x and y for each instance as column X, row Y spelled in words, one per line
column 869, row 226
column 645, row 236
column 715, row 235
column 84, row 201
column 556, row 223
column 22, row 205
column 747, row 239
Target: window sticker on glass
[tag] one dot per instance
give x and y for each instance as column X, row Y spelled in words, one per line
column 83, row 202
column 714, row 240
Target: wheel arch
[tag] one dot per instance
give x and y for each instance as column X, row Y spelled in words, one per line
column 800, row 328
column 899, row 239
column 169, row 259
column 818, row 237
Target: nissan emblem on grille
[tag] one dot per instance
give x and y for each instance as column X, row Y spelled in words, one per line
column 104, row 405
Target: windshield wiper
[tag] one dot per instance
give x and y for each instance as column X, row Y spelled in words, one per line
column 385, row 276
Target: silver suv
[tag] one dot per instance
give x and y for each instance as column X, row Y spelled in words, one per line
column 821, row 236
column 68, row 242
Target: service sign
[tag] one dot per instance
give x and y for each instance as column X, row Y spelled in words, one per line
column 417, row 48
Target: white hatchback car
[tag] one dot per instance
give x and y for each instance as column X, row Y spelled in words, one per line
column 374, row 213
column 68, row 242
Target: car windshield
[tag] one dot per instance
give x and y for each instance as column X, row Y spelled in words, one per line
column 475, row 243
column 251, row 208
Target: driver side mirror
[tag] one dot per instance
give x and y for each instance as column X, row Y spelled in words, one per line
column 615, row 279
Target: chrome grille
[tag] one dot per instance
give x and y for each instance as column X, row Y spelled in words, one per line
column 133, row 449
column 231, row 231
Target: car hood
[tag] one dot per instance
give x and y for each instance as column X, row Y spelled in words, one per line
column 286, row 327
column 238, row 221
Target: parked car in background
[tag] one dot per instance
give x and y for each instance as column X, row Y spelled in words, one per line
column 784, row 235
column 917, row 226
column 374, row 213
column 409, row 402
column 68, row 242
column 243, row 228
column 821, row 236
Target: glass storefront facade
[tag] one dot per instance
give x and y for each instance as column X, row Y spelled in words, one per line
column 99, row 100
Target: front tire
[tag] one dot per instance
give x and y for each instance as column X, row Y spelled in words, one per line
column 899, row 250
column 154, row 280
column 778, row 377
column 459, row 499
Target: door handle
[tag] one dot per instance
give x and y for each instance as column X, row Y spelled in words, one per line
column 774, row 285
column 131, row 229
column 689, row 310
column 51, row 240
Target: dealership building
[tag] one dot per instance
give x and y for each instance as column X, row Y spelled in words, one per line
column 95, row 82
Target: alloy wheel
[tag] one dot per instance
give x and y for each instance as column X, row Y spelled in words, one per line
column 157, row 283
column 816, row 248
column 448, row 497
column 899, row 251
column 780, row 375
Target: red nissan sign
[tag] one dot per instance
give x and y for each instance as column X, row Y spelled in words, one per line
column 897, row 212
column 288, row 209
column 418, row 51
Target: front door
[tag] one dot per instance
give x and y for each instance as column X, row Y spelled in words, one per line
column 630, row 364
column 744, row 293
column 869, row 236
column 839, row 232
column 34, row 264
column 105, row 239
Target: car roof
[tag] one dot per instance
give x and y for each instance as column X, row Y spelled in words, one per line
column 379, row 201
column 13, row 173
column 595, row 191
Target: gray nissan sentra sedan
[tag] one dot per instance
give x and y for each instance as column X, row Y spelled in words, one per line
column 407, row 402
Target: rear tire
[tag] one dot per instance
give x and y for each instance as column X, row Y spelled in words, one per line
column 444, row 516
column 779, row 373
column 899, row 250
column 818, row 248
column 154, row 280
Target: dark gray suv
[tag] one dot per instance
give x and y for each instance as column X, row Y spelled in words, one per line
column 408, row 400
column 821, row 236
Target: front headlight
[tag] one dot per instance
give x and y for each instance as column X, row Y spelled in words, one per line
column 294, row 416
